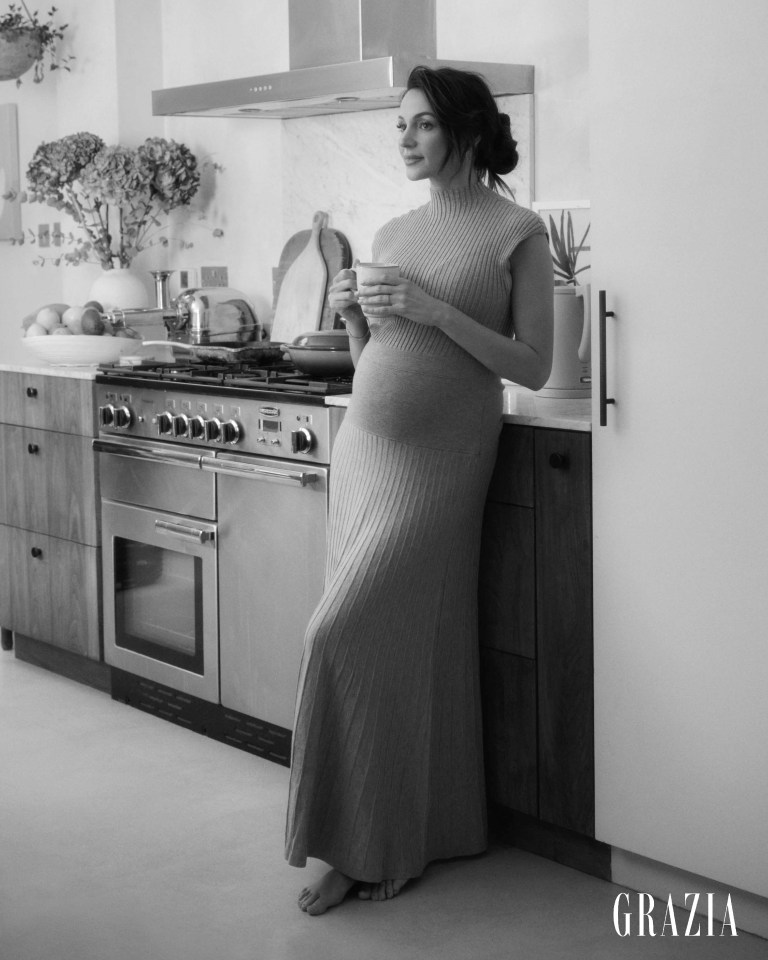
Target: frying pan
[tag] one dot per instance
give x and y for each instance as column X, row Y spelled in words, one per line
column 322, row 353
column 227, row 352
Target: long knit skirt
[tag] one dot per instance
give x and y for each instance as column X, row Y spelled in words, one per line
column 387, row 768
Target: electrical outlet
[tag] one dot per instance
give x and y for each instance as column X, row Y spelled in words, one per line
column 56, row 235
column 187, row 279
column 214, row 277
column 44, row 234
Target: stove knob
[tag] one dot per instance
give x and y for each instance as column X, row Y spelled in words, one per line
column 164, row 423
column 180, row 423
column 107, row 415
column 196, row 428
column 213, row 429
column 302, row 440
column 123, row 418
column 231, row 432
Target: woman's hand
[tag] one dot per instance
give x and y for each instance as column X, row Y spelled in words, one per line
column 342, row 296
column 382, row 301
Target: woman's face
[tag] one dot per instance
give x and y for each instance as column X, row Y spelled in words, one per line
column 424, row 145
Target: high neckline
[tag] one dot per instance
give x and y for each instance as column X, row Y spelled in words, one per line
column 443, row 200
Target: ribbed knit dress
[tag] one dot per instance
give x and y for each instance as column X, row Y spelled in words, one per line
column 387, row 766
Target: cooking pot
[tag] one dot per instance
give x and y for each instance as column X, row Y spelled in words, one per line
column 324, row 353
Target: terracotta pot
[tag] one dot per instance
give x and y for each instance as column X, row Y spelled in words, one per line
column 18, row 52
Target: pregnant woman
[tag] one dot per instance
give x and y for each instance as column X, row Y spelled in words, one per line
column 387, row 767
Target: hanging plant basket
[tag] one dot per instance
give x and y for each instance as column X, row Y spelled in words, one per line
column 19, row 49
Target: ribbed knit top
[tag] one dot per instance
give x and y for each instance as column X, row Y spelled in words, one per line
column 457, row 248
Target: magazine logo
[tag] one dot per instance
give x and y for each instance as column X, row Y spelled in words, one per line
column 698, row 918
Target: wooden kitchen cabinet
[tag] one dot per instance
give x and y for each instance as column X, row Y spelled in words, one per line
column 49, row 530
column 536, row 628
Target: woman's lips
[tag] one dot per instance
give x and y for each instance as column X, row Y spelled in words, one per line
column 409, row 161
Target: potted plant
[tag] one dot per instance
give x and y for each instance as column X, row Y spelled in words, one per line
column 28, row 41
column 571, row 374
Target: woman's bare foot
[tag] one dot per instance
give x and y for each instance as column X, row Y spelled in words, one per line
column 385, row 890
column 329, row 891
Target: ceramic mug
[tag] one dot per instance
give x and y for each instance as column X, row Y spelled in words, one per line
column 373, row 273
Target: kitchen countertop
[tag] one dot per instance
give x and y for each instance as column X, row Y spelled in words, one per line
column 521, row 406
column 47, row 370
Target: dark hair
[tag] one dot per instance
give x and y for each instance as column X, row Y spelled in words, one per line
column 465, row 108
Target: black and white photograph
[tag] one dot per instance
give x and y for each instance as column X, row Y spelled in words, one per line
column 383, row 513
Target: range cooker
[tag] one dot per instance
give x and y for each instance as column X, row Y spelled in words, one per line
column 214, row 487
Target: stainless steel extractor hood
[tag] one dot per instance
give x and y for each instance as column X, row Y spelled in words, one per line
column 345, row 56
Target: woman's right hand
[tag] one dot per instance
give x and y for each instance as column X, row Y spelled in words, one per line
column 342, row 294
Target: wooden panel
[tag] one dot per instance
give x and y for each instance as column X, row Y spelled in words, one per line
column 63, row 404
column 55, row 595
column 6, row 567
column 509, row 730
column 564, row 598
column 49, row 483
column 507, row 592
column 512, row 480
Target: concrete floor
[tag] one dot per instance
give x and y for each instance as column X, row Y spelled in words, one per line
column 122, row 836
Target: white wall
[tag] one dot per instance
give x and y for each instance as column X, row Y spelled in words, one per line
column 267, row 189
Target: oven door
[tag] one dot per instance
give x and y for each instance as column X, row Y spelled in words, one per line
column 161, row 597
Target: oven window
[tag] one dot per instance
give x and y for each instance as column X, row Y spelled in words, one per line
column 159, row 603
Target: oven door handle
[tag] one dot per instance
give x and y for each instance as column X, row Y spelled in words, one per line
column 253, row 471
column 184, row 532
column 178, row 458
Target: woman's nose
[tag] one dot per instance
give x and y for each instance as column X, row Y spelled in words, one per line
column 406, row 137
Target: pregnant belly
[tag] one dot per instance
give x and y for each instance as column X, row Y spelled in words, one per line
column 444, row 403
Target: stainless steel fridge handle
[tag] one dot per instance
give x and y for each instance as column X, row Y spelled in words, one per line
column 251, row 471
column 177, row 458
column 604, row 398
column 183, row 532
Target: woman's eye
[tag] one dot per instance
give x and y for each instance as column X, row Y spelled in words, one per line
column 400, row 126
column 426, row 125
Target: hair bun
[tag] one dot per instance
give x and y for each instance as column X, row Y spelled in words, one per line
column 503, row 154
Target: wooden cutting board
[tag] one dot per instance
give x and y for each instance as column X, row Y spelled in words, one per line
column 300, row 302
column 337, row 254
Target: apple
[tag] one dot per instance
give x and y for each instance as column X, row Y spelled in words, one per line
column 72, row 318
column 61, row 331
column 35, row 330
column 92, row 322
column 95, row 304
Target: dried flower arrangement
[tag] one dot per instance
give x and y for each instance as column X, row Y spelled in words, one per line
column 116, row 195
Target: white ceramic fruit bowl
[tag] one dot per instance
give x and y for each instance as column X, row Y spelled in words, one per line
column 79, row 350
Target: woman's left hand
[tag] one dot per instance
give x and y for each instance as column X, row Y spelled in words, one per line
column 382, row 301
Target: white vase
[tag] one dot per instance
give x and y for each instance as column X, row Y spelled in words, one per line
column 120, row 289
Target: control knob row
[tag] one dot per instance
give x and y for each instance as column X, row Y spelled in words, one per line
column 198, row 428
column 119, row 417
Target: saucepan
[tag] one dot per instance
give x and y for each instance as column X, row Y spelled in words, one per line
column 322, row 353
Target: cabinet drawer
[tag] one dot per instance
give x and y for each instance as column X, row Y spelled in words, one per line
column 63, row 404
column 48, row 483
column 54, row 592
column 512, row 480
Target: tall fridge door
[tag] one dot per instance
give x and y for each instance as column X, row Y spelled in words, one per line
column 679, row 226
column 271, row 572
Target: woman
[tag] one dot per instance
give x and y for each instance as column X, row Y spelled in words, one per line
column 387, row 771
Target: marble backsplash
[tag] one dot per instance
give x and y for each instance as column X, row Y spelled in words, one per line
column 349, row 166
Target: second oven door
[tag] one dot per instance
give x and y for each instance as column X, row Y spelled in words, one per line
column 161, row 597
column 272, row 523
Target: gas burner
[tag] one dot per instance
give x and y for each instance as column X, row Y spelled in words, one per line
column 246, row 376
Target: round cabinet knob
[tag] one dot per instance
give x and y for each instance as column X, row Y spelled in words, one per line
column 231, row 432
column 31, row 391
column 164, row 423
column 558, row 461
column 123, row 418
column 36, row 552
column 196, row 427
column 107, row 415
column 302, row 440
column 33, row 448
column 180, row 424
